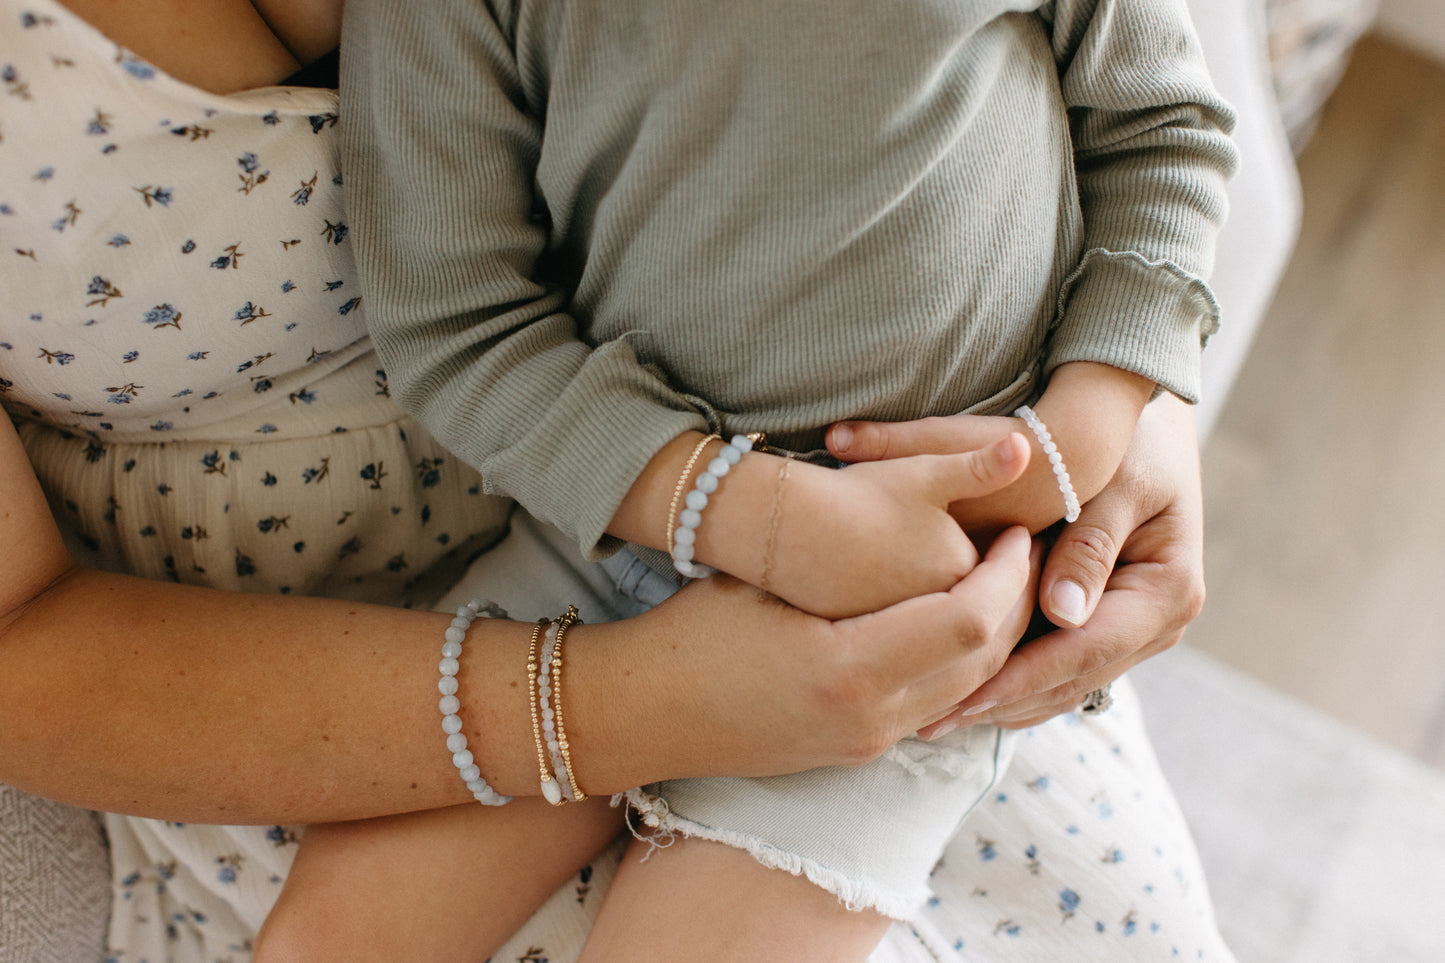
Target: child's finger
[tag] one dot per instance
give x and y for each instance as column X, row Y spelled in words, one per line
column 854, row 441
column 973, row 474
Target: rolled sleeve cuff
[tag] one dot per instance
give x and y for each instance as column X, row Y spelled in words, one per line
column 1152, row 318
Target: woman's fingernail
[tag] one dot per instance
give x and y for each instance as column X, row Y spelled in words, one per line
column 981, row 707
column 842, row 437
column 1069, row 601
column 941, row 731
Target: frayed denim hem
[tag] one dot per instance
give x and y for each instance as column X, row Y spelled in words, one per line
column 855, row 894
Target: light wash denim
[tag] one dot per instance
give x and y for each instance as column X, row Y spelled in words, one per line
column 869, row 834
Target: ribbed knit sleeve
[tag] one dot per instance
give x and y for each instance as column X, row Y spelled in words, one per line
column 1152, row 156
column 442, row 141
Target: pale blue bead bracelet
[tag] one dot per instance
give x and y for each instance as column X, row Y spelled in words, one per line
column 1056, row 461
column 684, row 538
column 450, row 705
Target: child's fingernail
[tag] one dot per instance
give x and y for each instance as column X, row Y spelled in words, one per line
column 1069, row 601
column 842, row 437
column 941, row 731
column 981, row 707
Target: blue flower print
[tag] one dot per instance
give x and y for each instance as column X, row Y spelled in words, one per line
column 250, row 179
column 101, row 290
column 335, row 233
column 288, row 286
column 155, row 194
column 6, row 209
column 1068, row 902
column 119, row 240
column 261, row 385
column 248, row 162
column 374, row 473
column 269, row 480
column 249, row 312
column 163, row 316
column 349, row 306
column 986, row 851
column 244, row 567
column 137, row 68
column 61, row 358
column 322, row 121
column 302, row 195
column 333, row 285
column 68, row 218
column 188, row 247
column 230, row 259
column 99, row 124
column 271, row 119
column 213, row 463
column 428, row 471
column 44, row 174
column 273, row 524
column 267, row 429
column 306, row 396
column 129, row 356
column 163, row 426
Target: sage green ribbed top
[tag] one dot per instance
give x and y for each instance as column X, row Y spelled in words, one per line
column 586, row 226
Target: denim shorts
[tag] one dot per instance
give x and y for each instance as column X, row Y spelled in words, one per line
column 869, row 834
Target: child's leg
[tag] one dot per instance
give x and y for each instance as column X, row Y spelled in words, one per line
column 443, row 885
column 697, row 900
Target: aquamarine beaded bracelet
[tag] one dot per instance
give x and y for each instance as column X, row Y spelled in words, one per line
column 1056, row 461
column 450, row 705
column 685, row 537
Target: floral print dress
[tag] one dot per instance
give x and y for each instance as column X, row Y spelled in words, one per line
column 183, row 351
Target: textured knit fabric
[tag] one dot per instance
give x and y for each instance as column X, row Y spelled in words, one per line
column 586, row 227
column 182, row 350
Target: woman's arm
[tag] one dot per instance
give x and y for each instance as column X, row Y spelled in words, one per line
column 207, row 706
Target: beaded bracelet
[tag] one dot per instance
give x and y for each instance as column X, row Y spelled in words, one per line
column 1056, row 461
column 563, row 624
column 470, row 772
column 682, row 484
column 551, row 791
column 685, row 538
column 544, row 687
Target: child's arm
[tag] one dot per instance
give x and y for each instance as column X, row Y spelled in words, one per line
column 1152, row 155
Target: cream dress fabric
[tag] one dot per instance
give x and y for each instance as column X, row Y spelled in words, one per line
column 183, row 350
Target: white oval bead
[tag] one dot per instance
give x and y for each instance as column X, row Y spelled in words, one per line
column 456, row 742
column 742, row 443
column 706, row 483
column 684, row 536
column 447, row 685
column 461, row 623
column 452, row 724
column 719, row 467
column 697, row 501
column 689, row 518
column 478, row 785
column 471, row 608
column 462, row 759
column 449, row 666
column 730, row 455
column 455, row 634
column 471, row 772
column 449, row 705
column 552, row 792
column 553, row 746
column 683, row 553
column 1049, row 447
column 450, row 650
column 548, row 715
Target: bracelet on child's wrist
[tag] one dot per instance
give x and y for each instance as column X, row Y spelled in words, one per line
column 1056, row 461
column 684, row 538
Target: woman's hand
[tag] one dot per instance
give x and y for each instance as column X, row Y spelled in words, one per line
column 1124, row 580
column 722, row 680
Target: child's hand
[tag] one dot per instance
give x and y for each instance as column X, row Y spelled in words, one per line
column 1089, row 409
column 865, row 537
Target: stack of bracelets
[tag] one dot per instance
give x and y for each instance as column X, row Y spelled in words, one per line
column 544, row 690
